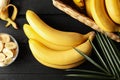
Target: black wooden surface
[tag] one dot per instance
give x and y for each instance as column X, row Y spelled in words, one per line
column 26, row 67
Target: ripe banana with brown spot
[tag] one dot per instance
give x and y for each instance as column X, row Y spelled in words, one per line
column 53, row 35
column 4, row 14
column 113, row 9
column 101, row 17
column 60, row 57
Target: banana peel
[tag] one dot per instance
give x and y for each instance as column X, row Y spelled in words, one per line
column 4, row 13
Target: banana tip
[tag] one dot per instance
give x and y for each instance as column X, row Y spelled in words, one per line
column 29, row 11
column 92, row 35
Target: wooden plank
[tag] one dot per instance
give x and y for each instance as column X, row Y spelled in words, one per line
column 39, row 6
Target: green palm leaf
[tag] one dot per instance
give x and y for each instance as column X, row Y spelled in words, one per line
column 110, row 59
column 91, row 60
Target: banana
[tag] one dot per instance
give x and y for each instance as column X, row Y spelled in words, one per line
column 87, row 7
column 113, row 9
column 4, row 13
column 57, row 66
column 1, row 46
column 2, row 64
column 2, row 57
column 31, row 34
column 52, row 35
column 79, row 3
column 4, row 38
column 3, row 3
column 10, row 45
column 60, row 57
column 8, row 52
column 101, row 17
column 13, row 17
column 7, row 61
column 8, row 49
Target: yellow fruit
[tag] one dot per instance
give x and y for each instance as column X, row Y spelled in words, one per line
column 31, row 34
column 79, row 3
column 11, row 45
column 4, row 38
column 4, row 13
column 2, row 57
column 1, row 46
column 52, row 35
column 101, row 17
column 60, row 57
column 113, row 9
column 57, row 66
column 87, row 7
column 8, row 53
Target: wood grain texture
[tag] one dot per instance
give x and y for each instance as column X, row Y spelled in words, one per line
column 64, row 6
column 26, row 67
column 39, row 6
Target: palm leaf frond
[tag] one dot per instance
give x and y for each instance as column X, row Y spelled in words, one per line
column 110, row 59
column 90, row 60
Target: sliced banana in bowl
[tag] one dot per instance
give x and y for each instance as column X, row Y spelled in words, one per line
column 9, row 49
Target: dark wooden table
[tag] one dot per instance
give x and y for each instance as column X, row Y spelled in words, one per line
column 26, row 67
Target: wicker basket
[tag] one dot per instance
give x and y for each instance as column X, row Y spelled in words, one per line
column 69, row 8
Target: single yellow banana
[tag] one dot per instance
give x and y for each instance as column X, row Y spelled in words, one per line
column 60, row 57
column 53, row 35
column 79, row 3
column 101, row 17
column 57, row 66
column 31, row 34
column 113, row 9
column 87, row 7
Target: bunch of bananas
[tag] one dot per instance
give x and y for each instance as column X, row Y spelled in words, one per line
column 105, row 13
column 54, row 48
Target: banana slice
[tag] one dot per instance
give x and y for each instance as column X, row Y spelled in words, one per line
column 2, row 64
column 7, row 61
column 8, row 52
column 2, row 57
column 10, row 45
column 1, row 46
column 4, row 38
